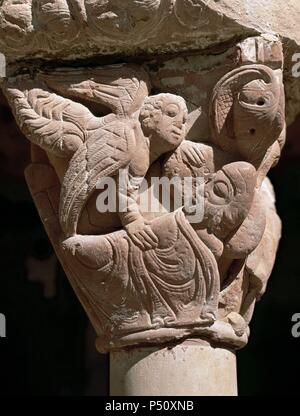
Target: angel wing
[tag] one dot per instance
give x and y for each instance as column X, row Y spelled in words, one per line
column 121, row 88
column 54, row 123
column 100, row 146
column 105, row 152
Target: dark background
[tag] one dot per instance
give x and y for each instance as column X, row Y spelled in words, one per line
column 49, row 348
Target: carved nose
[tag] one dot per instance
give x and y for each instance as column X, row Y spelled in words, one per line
column 177, row 124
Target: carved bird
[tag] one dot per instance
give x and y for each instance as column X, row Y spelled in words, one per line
column 247, row 115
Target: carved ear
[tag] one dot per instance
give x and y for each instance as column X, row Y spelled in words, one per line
column 119, row 88
column 246, row 105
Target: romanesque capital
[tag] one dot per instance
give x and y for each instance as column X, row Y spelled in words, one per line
column 208, row 129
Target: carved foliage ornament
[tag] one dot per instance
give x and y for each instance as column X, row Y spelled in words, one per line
column 142, row 279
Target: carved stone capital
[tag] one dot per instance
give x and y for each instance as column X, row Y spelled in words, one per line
column 145, row 276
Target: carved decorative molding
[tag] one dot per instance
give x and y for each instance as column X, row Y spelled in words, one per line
column 145, row 277
column 108, row 31
column 43, row 28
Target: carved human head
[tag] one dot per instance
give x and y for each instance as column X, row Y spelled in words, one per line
column 229, row 194
column 163, row 119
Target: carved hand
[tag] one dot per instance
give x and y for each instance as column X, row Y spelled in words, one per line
column 141, row 234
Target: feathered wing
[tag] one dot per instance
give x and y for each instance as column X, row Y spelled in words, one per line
column 120, row 88
column 48, row 120
column 105, row 152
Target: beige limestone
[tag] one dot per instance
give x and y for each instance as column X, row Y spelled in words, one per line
column 188, row 369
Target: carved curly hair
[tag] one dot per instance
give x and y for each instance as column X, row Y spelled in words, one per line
column 157, row 102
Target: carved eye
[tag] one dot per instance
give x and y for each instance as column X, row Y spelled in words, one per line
column 172, row 110
column 221, row 189
column 261, row 101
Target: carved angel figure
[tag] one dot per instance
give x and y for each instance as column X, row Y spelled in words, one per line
column 139, row 131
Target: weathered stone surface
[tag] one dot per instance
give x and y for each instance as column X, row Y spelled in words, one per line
column 187, row 369
column 154, row 277
column 86, row 27
column 68, row 29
